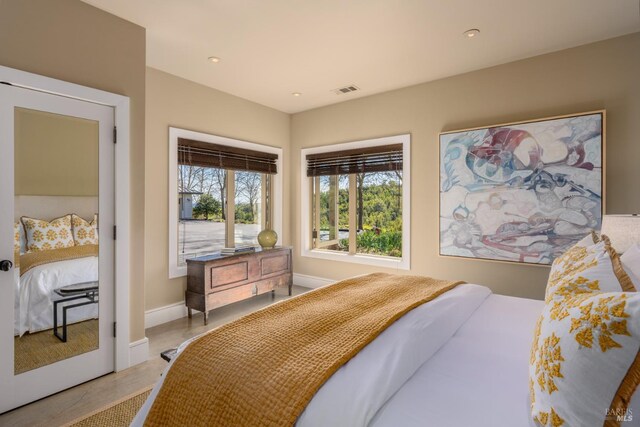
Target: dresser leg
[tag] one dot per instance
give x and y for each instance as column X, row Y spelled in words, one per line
column 206, row 317
column 290, row 288
column 189, row 314
column 273, row 294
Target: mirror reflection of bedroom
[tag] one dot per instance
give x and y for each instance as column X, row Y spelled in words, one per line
column 55, row 238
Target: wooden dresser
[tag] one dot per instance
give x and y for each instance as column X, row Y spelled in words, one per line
column 216, row 280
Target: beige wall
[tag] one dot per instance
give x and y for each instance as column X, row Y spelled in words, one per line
column 172, row 101
column 55, row 155
column 598, row 76
column 72, row 41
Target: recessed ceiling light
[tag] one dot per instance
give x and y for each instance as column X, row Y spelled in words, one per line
column 471, row 33
column 296, row 94
column 214, row 59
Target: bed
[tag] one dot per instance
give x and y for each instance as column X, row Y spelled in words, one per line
column 479, row 377
column 459, row 359
column 34, row 291
column 471, row 369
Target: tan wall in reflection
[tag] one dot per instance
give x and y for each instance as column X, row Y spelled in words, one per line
column 55, row 155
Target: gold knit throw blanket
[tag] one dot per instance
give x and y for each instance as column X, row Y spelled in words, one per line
column 264, row 368
column 34, row 259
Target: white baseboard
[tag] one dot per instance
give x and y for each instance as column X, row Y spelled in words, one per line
column 312, row 282
column 168, row 313
column 160, row 315
column 138, row 351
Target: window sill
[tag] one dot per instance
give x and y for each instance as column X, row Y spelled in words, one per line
column 176, row 271
column 376, row 260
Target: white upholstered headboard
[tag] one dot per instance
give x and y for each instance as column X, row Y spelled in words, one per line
column 50, row 207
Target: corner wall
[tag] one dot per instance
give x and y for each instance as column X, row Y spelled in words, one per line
column 602, row 75
column 173, row 101
column 72, row 41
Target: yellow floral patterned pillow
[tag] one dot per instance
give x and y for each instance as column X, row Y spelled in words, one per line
column 588, row 267
column 583, row 367
column 585, row 364
column 42, row 235
column 84, row 232
column 19, row 244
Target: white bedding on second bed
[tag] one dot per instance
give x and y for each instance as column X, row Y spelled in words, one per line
column 34, row 293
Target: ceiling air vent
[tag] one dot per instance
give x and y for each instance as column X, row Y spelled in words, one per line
column 346, row 89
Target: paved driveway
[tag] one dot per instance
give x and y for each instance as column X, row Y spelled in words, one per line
column 197, row 238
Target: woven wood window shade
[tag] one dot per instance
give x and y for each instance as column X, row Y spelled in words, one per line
column 382, row 158
column 204, row 154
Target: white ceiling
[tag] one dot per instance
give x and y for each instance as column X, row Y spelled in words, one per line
column 272, row 48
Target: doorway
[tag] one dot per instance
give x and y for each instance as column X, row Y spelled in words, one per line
column 57, row 223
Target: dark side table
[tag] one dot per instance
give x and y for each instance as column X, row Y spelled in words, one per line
column 86, row 291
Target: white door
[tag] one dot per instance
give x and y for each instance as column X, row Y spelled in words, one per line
column 56, row 159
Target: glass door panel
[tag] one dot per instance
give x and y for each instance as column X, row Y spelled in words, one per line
column 56, row 224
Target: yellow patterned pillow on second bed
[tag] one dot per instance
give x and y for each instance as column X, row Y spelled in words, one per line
column 44, row 235
column 18, row 245
column 18, row 237
column 84, row 232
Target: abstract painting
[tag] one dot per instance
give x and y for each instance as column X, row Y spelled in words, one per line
column 522, row 192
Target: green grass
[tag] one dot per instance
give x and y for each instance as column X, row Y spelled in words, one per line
column 388, row 243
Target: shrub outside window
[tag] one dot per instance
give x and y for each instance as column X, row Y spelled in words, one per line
column 357, row 195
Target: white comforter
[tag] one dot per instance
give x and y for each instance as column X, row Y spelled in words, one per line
column 355, row 393
column 474, row 376
column 34, row 293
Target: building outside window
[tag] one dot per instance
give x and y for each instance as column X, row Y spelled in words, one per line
column 224, row 195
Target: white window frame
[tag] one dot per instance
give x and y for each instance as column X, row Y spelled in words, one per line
column 403, row 263
column 176, row 270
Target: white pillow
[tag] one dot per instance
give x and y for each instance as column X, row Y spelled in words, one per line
column 631, row 264
column 588, row 240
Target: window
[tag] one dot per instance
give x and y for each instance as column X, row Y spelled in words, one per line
column 250, row 206
column 355, row 202
column 223, row 192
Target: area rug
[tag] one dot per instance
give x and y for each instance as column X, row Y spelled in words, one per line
column 116, row 414
column 42, row 348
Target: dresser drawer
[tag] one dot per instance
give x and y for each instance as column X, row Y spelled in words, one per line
column 228, row 274
column 241, row 292
column 274, row 265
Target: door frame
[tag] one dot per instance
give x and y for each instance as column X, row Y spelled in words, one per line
column 121, row 108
